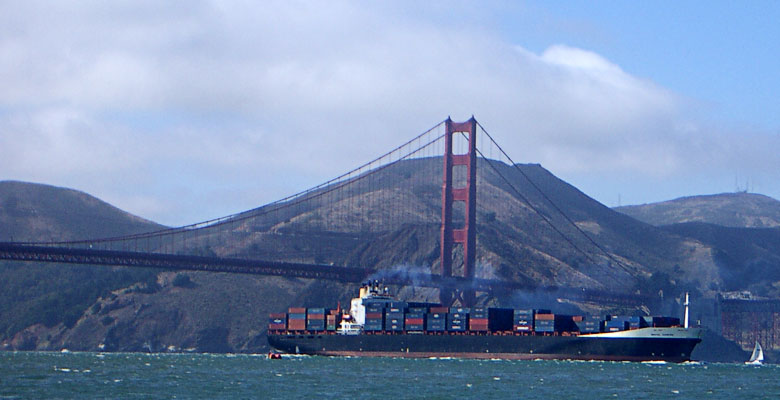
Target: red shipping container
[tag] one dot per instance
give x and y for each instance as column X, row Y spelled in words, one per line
column 296, row 325
column 296, row 310
column 278, row 315
column 439, row 310
column 545, row 317
column 276, row 327
column 478, row 321
column 374, row 315
column 316, row 316
column 577, row 318
column 414, row 321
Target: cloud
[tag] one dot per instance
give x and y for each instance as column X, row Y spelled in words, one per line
column 161, row 108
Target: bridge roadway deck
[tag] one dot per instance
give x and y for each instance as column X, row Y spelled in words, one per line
column 37, row 253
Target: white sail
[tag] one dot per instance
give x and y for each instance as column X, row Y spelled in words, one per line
column 758, row 355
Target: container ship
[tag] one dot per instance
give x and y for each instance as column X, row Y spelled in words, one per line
column 378, row 325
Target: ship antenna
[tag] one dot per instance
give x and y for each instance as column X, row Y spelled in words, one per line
column 686, row 311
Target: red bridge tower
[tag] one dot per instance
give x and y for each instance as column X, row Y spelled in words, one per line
column 467, row 235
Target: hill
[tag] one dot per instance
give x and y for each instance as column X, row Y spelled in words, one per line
column 748, row 258
column 36, row 212
column 737, row 210
column 51, row 294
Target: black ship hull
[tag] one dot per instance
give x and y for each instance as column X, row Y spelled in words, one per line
column 584, row 347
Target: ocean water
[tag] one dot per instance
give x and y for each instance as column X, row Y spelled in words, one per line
column 41, row 375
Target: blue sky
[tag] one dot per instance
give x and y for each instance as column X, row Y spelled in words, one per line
column 181, row 112
column 723, row 54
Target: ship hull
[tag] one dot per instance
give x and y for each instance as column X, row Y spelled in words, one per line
column 604, row 347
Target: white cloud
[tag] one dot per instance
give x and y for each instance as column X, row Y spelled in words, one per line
column 146, row 103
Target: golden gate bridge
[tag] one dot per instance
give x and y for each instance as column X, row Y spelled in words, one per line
column 425, row 187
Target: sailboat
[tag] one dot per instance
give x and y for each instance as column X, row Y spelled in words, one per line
column 757, row 357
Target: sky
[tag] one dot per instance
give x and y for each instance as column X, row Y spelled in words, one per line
column 185, row 111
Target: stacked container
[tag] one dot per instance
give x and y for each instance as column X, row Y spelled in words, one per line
column 315, row 319
column 544, row 322
column 436, row 322
column 332, row 321
column 296, row 319
column 591, row 324
column 635, row 322
column 478, row 319
column 375, row 319
column 501, row 319
column 394, row 320
column 277, row 322
column 458, row 319
column 414, row 321
column 523, row 320
column 616, row 323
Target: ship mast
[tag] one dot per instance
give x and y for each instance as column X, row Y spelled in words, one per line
column 686, row 311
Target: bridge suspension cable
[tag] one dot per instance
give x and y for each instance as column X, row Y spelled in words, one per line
column 551, row 202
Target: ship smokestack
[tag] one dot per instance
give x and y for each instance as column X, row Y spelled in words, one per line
column 686, row 311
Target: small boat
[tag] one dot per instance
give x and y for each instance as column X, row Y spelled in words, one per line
column 757, row 358
column 274, row 356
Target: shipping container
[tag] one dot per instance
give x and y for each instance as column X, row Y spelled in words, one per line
column 296, row 316
column 565, row 323
column 544, row 325
column 278, row 315
column 459, row 310
column 522, row 328
column 588, row 326
column 315, row 317
column 544, row 317
column 296, row 310
column 413, row 321
column 614, row 325
column 417, row 310
column 439, row 310
column 373, row 315
column 500, row 319
column 277, row 327
column 318, row 325
column 277, row 321
column 296, row 325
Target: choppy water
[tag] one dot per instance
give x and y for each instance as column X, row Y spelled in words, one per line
column 129, row 375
